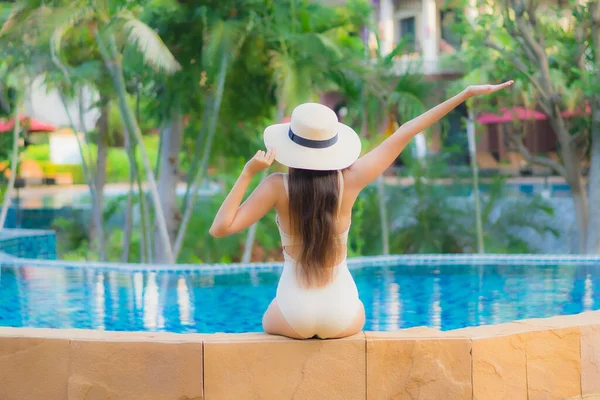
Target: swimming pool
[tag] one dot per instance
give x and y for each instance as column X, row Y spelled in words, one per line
column 395, row 296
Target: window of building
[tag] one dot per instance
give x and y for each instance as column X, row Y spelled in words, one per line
column 408, row 30
column 450, row 38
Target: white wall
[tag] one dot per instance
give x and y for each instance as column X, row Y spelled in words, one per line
column 45, row 105
column 64, row 148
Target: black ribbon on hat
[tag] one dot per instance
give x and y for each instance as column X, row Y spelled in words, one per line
column 313, row 144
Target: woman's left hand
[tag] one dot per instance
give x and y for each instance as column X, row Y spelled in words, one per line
column 260, row 161
column 478, row 90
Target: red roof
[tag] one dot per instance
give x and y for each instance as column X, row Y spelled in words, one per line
column 30, row 124
column 508, row 115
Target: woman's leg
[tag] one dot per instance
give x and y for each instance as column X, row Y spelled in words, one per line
column 355, row 326
column 274, row 323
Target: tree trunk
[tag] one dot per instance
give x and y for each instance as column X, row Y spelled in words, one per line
column 251, row 237
column 172, row 135
column 189, row 205
column 197, row 150
column 146, row 242
column 87, row 174
column 113, row 63
column 383, row 216
column 572, row 164
column 580, row 201
column 96, row 228
column 128, row 226
column 593, row 233
column 13, row 165
column 88, row 170
column 593, row 228
column 475, row 171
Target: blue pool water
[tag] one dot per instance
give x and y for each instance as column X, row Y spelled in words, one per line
column 445, row 297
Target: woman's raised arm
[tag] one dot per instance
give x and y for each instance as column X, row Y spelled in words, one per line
column 375, row 162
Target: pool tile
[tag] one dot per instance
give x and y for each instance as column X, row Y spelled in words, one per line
column 590, row 360
column 135, row 370
column 499, row 368
column 254, row 366
column 418, row 368
column 553, row 363
column 33, row 368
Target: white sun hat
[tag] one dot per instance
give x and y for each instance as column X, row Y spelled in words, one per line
column 314, row 139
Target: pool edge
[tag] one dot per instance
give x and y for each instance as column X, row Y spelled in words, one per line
column 558, row 356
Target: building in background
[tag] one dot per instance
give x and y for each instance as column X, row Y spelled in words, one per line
column 425, row 28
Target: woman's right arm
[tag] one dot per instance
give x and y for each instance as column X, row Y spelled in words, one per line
column 367, row 168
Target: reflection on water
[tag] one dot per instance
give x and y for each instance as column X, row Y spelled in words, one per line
column 445, row 297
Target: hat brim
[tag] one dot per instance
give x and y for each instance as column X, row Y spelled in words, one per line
column 339, row 156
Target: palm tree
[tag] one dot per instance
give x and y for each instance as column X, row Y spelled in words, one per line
column 301, row 58
column 113, row 27
column 224, row 42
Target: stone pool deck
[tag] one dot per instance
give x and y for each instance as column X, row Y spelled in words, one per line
column 552, row 358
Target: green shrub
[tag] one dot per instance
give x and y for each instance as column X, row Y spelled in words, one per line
column 75, row 170
column 117, row 163
column 37, row 152
column 117, row 166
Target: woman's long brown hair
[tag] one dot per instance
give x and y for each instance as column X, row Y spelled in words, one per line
column 314, row 197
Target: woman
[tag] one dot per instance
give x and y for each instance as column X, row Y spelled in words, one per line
column 316, row 295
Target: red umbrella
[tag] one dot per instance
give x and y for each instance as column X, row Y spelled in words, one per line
column 508, row 115
column 30, row 124
column 578, row 111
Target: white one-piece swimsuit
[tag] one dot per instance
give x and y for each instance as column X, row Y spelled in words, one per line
column 324, row 311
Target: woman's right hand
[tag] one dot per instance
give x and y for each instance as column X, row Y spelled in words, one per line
column 260, row 161
column 478, row 90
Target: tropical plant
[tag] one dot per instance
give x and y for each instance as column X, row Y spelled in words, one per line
column 13, row 164
column 379, row 97
column 301, row 58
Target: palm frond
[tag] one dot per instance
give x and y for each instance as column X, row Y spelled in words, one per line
column 149, row 44
column 293, row 82
column 72, row 18
column 19, row 13
column 409, row 105
column 314, row 44
column 398, row 50
column 228, row 35
column 213, row 42
column 103, row 9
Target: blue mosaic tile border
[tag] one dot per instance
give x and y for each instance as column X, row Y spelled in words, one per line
column 28, row 244
column 353, row 263
column 38, row 248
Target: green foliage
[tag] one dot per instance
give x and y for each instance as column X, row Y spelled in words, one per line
column 6, row 143
column 71, row 239
column 283, row 53
column 436, row 217
column 38, row 152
